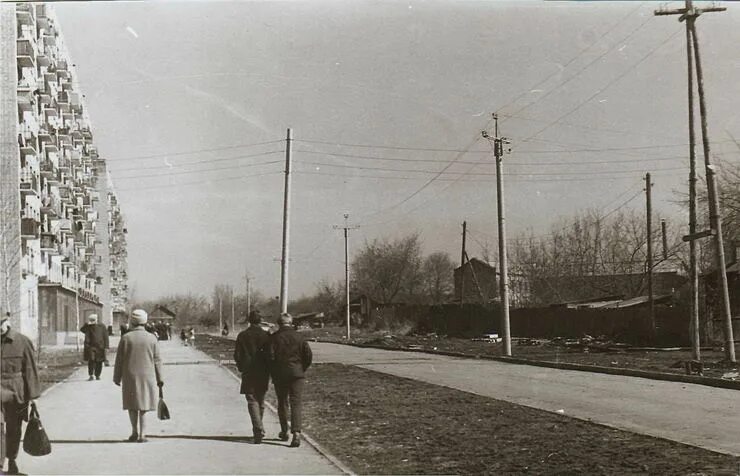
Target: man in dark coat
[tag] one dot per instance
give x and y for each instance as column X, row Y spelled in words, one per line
column 250, row 355
column 290, row 357
column 96, row 344
column 19, row 384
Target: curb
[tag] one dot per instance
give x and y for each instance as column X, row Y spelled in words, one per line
column 695, row 379
column 320, row 449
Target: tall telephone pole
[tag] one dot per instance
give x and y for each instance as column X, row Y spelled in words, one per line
column 346, row 229
column 286, row 226
column 462, row 263
column 249, row 292
column 220, row 313
column 649, row 213
column 690, row 14
column 232, row 312
column 498, row 152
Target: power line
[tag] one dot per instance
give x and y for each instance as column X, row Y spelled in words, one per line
column 511, row 174
column 608, row 85
column 199, row 182
column 185, row 172
column 209, row 161
column 189, row 152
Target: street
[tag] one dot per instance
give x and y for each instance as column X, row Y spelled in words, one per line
column 693, row 414
column 209, row 432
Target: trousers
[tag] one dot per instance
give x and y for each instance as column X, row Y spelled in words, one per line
column 14, row 415
column 255, row 389
column 94, row 367
column 290, row 400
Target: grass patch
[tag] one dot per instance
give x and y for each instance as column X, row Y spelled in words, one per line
column 382, row 424
column 55, row 366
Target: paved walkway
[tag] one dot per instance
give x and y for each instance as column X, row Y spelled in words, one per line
column 694, row 414
column 209, row 432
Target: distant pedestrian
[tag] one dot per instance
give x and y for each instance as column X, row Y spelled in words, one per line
column 138, row 372
column 183, row 337
column 191, row 336
column 290, row 356
column 250, row 355
column 225, row 330
column 19, row 385
column 95, row 347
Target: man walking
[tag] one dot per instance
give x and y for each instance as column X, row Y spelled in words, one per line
column 290, row 357
column 96, row 344
column 19, row 384
column 250, row 355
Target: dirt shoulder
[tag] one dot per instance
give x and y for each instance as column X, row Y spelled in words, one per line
column 382, row 424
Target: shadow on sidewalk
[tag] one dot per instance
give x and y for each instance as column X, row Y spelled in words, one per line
column 230, row 439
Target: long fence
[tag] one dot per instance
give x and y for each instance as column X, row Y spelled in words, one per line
column 629, row 325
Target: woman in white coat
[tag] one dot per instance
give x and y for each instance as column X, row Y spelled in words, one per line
column 138, row 372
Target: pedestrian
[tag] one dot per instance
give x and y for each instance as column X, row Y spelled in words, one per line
column 289, row 356
column 191, row 336
column 19, row 385
column 95, row 347
column 225, row 330
column 183, row 337
column 138, row 372
column 250, row 355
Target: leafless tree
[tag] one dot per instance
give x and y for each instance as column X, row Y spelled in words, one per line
column 438, row 277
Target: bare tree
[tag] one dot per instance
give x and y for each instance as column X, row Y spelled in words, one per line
column 438, row 272
column 389, row 271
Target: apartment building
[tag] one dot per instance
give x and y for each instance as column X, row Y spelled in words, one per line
column 62, row 236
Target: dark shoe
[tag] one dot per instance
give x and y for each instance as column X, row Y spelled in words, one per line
column 12, row 467
column 97, row 377
column 296, row 440
column 258, row 438
column 90, row 378
column 142, row 440
column 283, row 436
column 133, row 437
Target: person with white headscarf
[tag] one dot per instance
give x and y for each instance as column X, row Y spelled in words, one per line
column 138, row 372
column 96, row 344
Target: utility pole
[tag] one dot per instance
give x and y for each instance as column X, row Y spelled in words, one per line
column 232, row 312
column 664, row 233
column 690, row 14
column 286, row 227
column 462, row 263
column 220, row 313
column 249, row 292
column 498, row 152
column 649, row 213
column 346, row 229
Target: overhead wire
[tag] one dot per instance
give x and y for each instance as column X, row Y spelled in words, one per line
column 198, row 182
column 197, row 162
column 190, row 152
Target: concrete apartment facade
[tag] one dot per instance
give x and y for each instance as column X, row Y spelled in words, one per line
column 61, row 229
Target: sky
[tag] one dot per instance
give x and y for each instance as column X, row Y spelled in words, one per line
column 190, row 103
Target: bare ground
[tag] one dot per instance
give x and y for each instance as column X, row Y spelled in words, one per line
column 382, row 424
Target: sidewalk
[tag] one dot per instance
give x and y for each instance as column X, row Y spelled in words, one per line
column 209, row 432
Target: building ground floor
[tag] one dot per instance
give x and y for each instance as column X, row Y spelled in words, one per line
column 61, row 314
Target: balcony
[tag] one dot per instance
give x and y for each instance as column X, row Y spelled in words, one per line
column 26, row 53
column 49, row 207
column 26, row 137
column 49, row 242
column 29, row 183
column 29, row 228
column 24, row 14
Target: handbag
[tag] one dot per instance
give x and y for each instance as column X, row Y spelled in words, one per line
column 35, row 440
column 163, row 413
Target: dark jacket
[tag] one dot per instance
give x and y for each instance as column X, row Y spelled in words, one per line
column 250, row 354
column 289, row 353
column 96, row 341
column 20, row 379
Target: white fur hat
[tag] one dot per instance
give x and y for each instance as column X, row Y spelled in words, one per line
column 139, row 316
column 92, row 318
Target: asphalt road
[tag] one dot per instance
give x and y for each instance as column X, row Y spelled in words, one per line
column 694, row 414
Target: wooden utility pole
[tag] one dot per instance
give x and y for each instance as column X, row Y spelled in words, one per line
column 498, row 152
column 690, row 14
column 649, row 213
column 664, row 235
column 286, row 227
column 249, row 292
column 346, row 229
column 462, row 263
column 220, row 313
column 232, row 312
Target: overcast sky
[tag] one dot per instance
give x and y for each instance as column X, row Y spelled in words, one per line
column 591, row 94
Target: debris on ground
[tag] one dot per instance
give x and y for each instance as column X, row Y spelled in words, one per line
column 731, row 375
column 491, row 338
